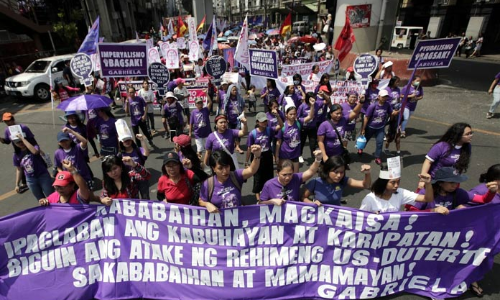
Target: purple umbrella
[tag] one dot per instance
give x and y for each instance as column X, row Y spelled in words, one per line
column 85, row 102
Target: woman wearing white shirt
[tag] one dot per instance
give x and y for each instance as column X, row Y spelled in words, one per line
column 183, row 95
column 148, row 96
column 387, row 196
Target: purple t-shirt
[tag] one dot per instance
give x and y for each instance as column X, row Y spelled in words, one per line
column 346, row 111
column 297, row 95
column 227, row 138
column 225, row 195
column 222, row 95
column 233, row 110
column 303, row 112
column 437, row 155
column 394, row 96
column 137, row 156
column 272, row 120
column 261, row 138
column 137, row 106
column 108, row 137
column 29, row 136
column 174, row 109
column 498, row 78
column 320, row 110
column 370, row 98
column 378, row 114
column 482, row 190
column 273, row 189
column 32, row 165
column 82, row 130
column 290, row 139
column 273, row 95
column 412, row 104
column 78, row 158
column 201, row 122
column 333, row 143
column 461, row 197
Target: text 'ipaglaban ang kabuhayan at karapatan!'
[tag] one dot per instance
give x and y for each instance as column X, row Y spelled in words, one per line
column 286, row 239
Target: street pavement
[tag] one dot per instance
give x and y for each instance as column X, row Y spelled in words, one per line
column 461, row 97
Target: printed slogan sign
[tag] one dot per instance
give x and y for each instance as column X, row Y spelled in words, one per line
column 263, row 63
column 365, row 65
column 155, row 250
column 81, row 65
column 434, row 53
column 121, row 60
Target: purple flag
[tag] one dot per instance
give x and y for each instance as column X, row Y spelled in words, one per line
column 89, row 45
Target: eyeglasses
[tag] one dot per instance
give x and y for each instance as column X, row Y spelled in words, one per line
column 469, row 133
column 284, row 195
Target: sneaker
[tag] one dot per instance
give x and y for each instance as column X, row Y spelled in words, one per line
column 301, row 159
column 378, row 161
column 154, row 131
column 489, row 115
column 387, row 152
column 398, row 153
column 403, row 135
column 23, row 188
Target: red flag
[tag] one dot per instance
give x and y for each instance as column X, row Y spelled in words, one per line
column 181, row 27
column 202, row 23
column 345, row 40
column 287, row 25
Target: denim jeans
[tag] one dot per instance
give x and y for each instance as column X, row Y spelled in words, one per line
column 406, row 117
column 40, row 186
column 379, row 137
column 496, row 99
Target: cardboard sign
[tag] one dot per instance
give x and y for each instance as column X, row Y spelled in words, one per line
column 434, row 54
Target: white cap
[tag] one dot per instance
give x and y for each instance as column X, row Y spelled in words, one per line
column 383, row 93
column 170, row 95
column 387, row 64
column 288, row 106
column 123, row 131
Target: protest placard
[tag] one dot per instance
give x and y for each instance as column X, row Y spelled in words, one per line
column 81, row 65
column 263, row 63
column 216, row 66
column 365, row 65
column 159, row 74
column 434, row 54
column 305, row 69
column 120, row 60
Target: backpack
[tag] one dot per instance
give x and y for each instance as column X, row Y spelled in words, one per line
column 210, row 184
column 254, row 133
column 284, row 127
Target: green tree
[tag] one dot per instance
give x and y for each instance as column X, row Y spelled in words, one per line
column 66, row 28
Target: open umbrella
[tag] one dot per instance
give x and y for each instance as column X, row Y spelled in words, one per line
column 252, row 36
column 227, row 33
column 223, row 46
column 273, row 32
column 233, row 38
column 222, row 39
column 85, row 102
column 201, row 36
column 308, row 39
column 293, row 39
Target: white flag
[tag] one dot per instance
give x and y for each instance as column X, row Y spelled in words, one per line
column 241, row 54
column 171, row 31
column 192, row 28
column 214, row 37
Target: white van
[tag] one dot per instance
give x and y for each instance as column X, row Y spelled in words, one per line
column 301, row 27
column 405, row 36
column 34, row 82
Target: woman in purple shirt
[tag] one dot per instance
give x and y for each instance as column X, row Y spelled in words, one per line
column 309, row 129
column 288, row 139
column 199, row 123
column 223, row 138
column 105, row 127
column 376, row 117
column 347, row 108
column 270, row 92
column 223, row 188
column 128, row 148
column 172, row 118
column 393, row 133
column 453, row 149
column 371, row 96
column 233, row 107
column 491, row 175
column 286, row 186
column 329, row 142
column 27, row 159
column 77, row 154
column 275, row 119
column 416, row 93
column 138, row 110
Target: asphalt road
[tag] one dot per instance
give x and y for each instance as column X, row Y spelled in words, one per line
column 462, row 98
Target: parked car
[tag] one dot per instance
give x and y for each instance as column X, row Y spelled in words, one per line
column 405, row 36
column 34, row 81
column 301, row 27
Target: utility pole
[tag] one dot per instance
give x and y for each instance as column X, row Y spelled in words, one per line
column 265, row 12
column 319, row 26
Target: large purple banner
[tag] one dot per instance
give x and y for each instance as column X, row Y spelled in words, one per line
column 155, row 250
column 123, row 60
column 434, row 53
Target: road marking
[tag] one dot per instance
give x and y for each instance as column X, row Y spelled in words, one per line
column 448, row 124
column 7, row 195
